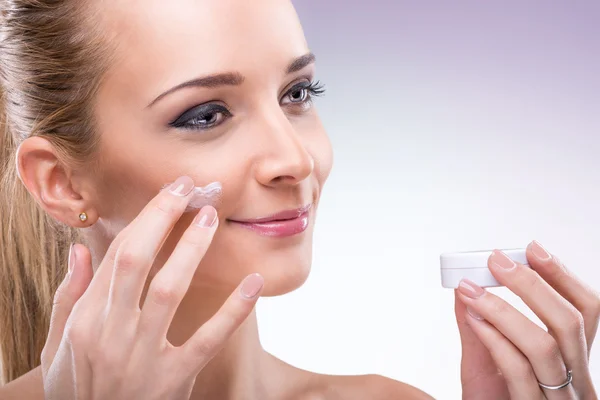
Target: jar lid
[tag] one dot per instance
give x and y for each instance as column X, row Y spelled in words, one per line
column 478, row 259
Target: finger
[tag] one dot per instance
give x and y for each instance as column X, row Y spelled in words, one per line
column 563, row 320
column 137, row 251
column 577, row 292
column 68, row 293
column 172, row 281
column 515, row 367
column 103, row 276
column 211, row 336
column 539, row 348
column 101, row 282
column 479, row 372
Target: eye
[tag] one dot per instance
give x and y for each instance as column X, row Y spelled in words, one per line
column 303, row 93
column 298, row 95
column 202, row 117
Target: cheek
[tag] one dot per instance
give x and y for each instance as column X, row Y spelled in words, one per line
column 129, row 180
column 134, row 165
column 322, row 152
column 125, row 188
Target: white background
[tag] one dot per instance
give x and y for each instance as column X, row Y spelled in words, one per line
column 464, row 127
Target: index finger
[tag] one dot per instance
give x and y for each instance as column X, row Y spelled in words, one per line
column 148, row 230
column 578, row 293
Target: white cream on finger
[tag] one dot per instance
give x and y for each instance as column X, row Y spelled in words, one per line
column 203, row 196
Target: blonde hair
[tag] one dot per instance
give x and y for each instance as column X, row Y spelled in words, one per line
column 50, row 70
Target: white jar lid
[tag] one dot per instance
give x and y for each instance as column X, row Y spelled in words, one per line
column 478, row 259
column 473, row 265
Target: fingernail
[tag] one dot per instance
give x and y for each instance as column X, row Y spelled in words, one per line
column 539, row 251
column 182, row 186
column 502, row 260
column 72, row 258
column 252, row 285
column 474, row 314
column 206, row 217
column 470, row 288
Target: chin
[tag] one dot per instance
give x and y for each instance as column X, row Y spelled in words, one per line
column 284, row 263
column 285, row 273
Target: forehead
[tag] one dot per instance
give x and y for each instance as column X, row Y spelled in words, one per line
column 186, row 38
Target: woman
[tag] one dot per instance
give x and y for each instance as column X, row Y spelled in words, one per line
column 105, row 103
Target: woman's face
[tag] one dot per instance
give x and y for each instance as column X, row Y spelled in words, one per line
column 246, row 122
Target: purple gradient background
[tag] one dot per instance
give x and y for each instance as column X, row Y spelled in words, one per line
column 456, row 126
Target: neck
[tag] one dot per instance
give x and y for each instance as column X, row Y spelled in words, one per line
column 237, row 371
column 242, row 369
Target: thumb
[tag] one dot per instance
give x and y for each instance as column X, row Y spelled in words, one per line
column 478, row 369
column 68, row 293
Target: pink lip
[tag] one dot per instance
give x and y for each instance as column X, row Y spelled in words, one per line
column 282, row 224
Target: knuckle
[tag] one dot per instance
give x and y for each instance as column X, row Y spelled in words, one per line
column 113, row 249
column 594, row 306
column 163, row 293
column 117, row 243
column 168, row 205
column 203, row 349
column 547, row 349
column 206, row 347
column 237, row 312
column 499, row 307
column 573, row 326
column 127, row 260
column 230, row 320
column 75, row 335
column 530, row 281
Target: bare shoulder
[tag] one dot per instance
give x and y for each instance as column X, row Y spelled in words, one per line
column 381, row 387
column 360, row 387
column 26, row 387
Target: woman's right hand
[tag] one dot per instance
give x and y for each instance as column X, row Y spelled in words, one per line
column 102, row 345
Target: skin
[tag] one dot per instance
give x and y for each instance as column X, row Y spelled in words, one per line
column 269, row 151
column 505, row 354
column 270, row 155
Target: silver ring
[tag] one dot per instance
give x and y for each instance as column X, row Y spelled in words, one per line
column 568, row 381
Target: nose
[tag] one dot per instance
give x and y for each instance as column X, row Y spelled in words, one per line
column 286, row 160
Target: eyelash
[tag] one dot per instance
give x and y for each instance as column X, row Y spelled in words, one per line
column 200, row 113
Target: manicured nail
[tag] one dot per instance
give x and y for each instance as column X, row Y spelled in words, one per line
column 252, row 285
column 182, row 186
column 539, row 251
column 470, row 288
column 502, row 260
column 72, row 258
column 206, row 217
column 474, row 314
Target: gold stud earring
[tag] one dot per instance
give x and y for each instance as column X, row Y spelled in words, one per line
column 83, row 217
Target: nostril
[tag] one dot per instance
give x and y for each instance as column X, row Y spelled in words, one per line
column 284, row 178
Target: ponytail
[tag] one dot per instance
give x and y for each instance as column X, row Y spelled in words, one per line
column 33, row 252
column 52, row 60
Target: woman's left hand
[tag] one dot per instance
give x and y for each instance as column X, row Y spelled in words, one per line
column 505, row 355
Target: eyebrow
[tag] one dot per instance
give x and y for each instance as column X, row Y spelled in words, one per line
column 232, row 78
column 301, row 62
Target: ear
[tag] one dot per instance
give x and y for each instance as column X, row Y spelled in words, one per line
column 51, row 183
